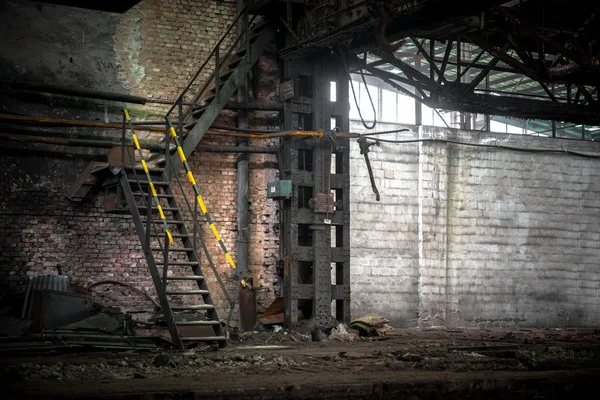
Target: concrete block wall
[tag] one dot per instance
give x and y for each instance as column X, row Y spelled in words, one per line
column 496, row 237
column 524, row 230
column 384, row 249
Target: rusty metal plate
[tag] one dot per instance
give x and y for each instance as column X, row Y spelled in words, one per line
column 286, row 90
column 323, row 203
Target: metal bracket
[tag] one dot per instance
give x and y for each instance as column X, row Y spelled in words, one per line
column 364, row 150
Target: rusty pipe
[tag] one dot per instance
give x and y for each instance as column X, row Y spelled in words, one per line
column 70, row 122
column 101, row 144
column 90, row 124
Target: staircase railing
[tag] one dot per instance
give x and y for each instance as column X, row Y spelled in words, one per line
column 219, row 62
column 151, row 222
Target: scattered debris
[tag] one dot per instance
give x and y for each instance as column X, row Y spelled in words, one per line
column 274, row 314
column 410, row 357
column 103, row 322
column 371, row 325
column 317, row 335
column 277, row 328
column 343, row 334
column 163, row 360
column 15, row 327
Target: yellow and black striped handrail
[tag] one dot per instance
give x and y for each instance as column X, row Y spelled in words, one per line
column 209, row 220
column 145, row 166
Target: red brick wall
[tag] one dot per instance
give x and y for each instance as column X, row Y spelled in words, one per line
column 159, row 45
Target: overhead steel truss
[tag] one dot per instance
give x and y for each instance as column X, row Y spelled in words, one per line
column 528, row 59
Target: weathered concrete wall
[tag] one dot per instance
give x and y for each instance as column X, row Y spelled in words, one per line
column 490, row 237
column 152, row 50
column 384, row 253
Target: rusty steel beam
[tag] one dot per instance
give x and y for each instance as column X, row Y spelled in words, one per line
column 441, row 77
column 503, row 56
column 481, row 76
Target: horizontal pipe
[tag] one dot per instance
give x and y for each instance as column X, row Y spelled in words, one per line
column 264, row 135
column 9, row 150
column 77, row 92
column 102, row 144
column 88, row 124
column 254, row 106
column 236, row 149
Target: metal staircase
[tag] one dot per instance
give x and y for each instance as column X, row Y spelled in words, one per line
column 141, row 186
column 173, row 269
column 230, row 71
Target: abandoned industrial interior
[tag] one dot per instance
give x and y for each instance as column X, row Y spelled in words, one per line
column 299, row 199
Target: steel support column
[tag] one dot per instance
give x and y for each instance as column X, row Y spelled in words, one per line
column 315, row 222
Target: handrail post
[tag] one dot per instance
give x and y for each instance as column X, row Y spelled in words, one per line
column 195, row 221
column 148, row 219
column 123, row 143
column 217, row 72
column 165, row 264
column 246, row 31
column 167, row 152
column 180, row 119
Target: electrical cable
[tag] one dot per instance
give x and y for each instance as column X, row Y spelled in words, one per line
column 354, row 93
column 383, row 132
column 495, row 146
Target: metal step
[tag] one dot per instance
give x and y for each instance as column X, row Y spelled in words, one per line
column 168, row 221
column 181, row 249
column 156, row 209
column 234, row 62
column 175, row 235
column 160, row 195
column 204, row 339
column 190, row 263
column 187, row 292
column 145, row 182
column 185, row 278
column 193, row 307
column 197, row 323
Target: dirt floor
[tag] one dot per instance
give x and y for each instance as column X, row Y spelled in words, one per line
column 419, row 362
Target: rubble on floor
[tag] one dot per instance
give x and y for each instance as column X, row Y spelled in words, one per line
column 371, row 325
column 50, row 318
column 187, row 363
column 266, row 353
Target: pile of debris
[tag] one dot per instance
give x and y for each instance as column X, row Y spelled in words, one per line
column 371, row 325
column 53, row 318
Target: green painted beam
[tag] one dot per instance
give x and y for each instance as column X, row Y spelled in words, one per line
column 227, row 90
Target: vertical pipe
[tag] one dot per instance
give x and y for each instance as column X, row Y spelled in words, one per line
column 418, row 105
column 247, row 298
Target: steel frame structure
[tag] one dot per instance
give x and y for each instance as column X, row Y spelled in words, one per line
column 528, row 59
column 315, row 234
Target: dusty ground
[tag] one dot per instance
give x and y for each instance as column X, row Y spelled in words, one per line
column 294, row 359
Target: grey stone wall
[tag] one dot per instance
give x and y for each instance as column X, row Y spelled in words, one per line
column 477, row 237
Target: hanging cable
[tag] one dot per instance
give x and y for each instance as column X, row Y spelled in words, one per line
column 342, row 55
column 492, row 146
column 383, row 132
